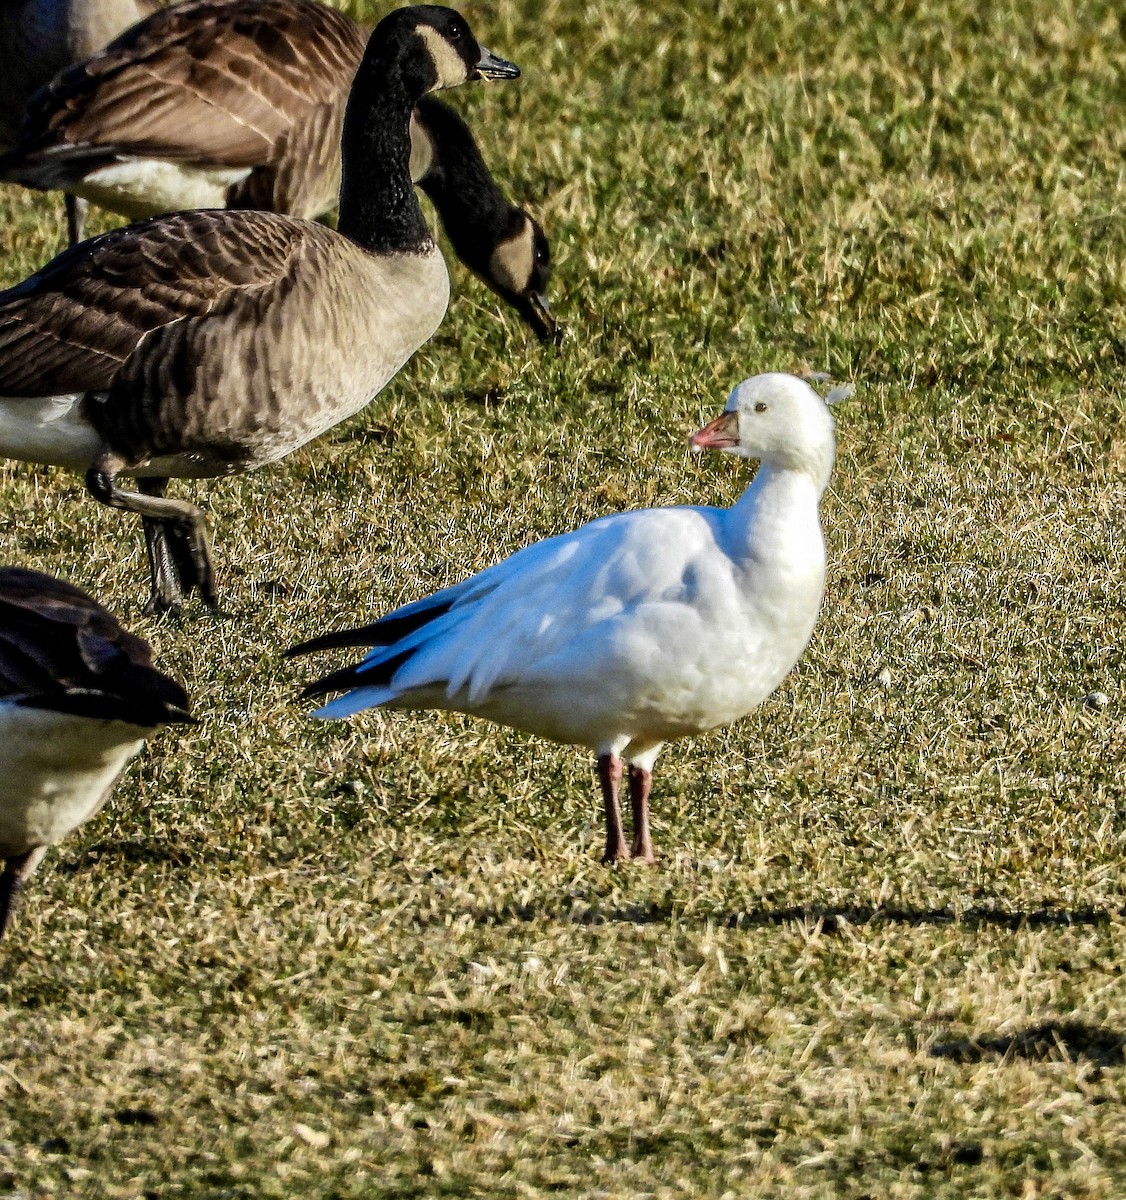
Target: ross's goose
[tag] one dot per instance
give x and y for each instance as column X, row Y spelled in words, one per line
column 209, row 343
column 78, row 696
column 634, row 629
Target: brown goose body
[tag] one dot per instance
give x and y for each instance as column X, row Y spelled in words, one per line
column 38, row 38
column 240, row 104
column 241, row 101
column 205, row 343
column 211, row 342
column 78, row 696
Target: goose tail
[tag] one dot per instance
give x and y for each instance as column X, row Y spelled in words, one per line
column 355, row 701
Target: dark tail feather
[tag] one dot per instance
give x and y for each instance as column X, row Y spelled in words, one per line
column 384, row 632
column 356, row 676
column 54, row 167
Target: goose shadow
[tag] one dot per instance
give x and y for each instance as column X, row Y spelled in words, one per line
column 132, row 852
column 828, row 920
column 1051, row 1040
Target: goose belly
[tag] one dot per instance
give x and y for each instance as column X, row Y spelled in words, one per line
column 58, row 771
column 47, row 429
column 147, row 187
column 651, row 681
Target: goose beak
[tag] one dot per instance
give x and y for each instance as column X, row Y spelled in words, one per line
column 720, row 434
column 536, row 311
column 489, row 66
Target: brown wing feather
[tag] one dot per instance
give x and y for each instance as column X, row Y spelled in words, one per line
column 60, row 649
column 220, row 82
column 71, row 326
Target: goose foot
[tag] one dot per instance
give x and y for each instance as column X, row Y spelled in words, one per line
column 176, row 537
column 162, row 546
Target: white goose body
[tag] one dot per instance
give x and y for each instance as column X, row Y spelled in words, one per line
column 632, row 630
column 636, row 628
column 59, row 769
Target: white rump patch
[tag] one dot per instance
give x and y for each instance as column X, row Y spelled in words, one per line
column 47, row 429
column 147, row 187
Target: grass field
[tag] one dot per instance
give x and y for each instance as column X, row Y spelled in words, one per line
column 881, row 955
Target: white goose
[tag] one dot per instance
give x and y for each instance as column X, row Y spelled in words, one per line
column 634, row 629
column 78, row 697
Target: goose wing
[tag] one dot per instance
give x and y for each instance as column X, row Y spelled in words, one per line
column 203, row 82
column 70, row 327
column 61, row 650
column 574, row 604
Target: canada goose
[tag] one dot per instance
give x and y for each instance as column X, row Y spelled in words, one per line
column 78, row 697
column 240, row 104
column 633, row 629
column 40, row 37
column 208, row 343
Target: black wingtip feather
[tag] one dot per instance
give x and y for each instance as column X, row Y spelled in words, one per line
column 356, row 676
column 384, row 632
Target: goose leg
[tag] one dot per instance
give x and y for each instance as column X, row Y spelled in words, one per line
column 75, row 218
column 16, row 871
column 610, row 777
column 640, row 784
column 183, row 544
column 169, row 554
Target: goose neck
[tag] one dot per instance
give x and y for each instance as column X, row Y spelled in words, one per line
column 780, row 512
column 74, row 29
column 378, row 205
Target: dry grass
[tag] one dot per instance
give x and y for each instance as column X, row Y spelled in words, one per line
column 881, row 955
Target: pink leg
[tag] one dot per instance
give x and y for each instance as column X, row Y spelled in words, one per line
column 610, row 777
column 640, row 784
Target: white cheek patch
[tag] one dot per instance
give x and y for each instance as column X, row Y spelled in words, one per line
column 448, row 64
column 511, row 263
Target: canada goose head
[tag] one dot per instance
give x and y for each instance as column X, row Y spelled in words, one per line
column 450, row 56
column 778, row 419
column 518, row 270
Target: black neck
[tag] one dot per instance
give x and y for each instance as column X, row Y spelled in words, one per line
column 378, row 205
column 474, row 212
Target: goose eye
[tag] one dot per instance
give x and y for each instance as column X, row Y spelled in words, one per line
column 456, row 32
column 760, row 407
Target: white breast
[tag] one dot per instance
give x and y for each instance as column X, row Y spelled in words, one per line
column 58, row 771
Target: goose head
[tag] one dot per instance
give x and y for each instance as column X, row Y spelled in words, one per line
column 450, row 56
column 518, row 270
column 778, row 419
